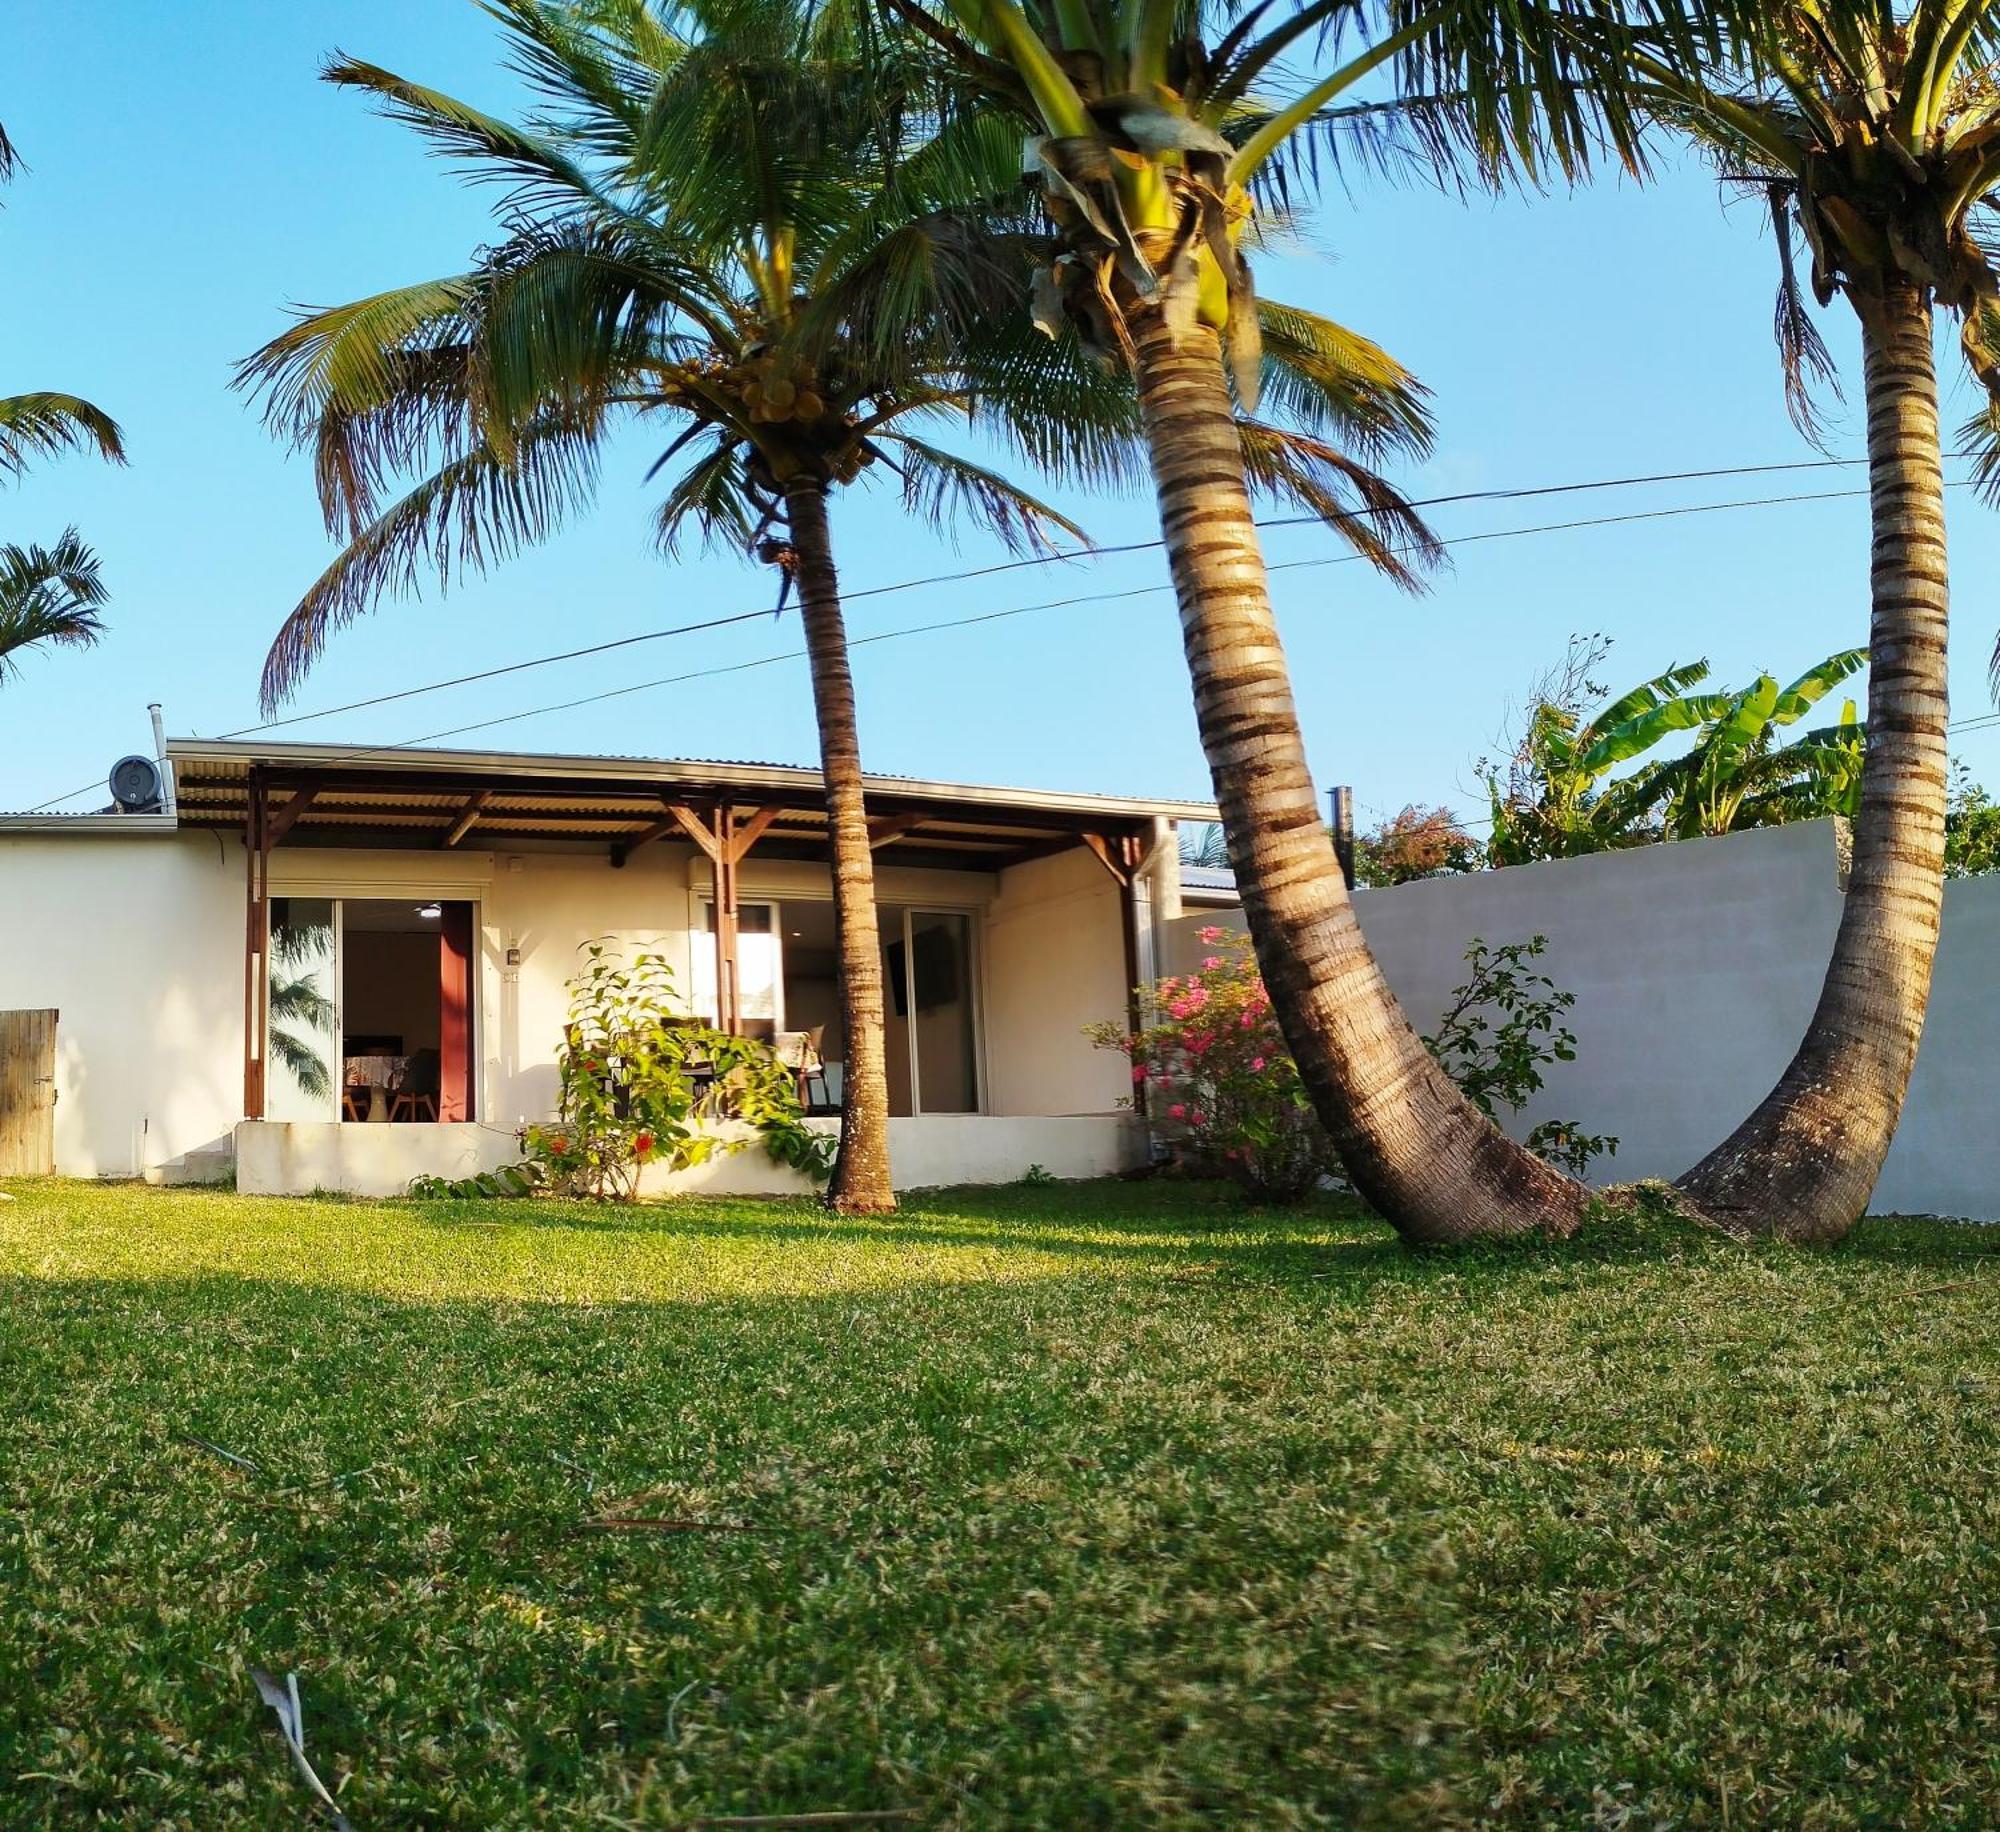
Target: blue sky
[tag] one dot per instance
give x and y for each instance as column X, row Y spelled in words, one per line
column 189, row 177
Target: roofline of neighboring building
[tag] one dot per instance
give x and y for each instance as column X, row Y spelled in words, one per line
column 650, row 772
column 93, row 824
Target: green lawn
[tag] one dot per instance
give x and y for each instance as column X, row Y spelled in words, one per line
column 1083, row 1506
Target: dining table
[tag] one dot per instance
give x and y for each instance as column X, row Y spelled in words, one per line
column 378, row 1074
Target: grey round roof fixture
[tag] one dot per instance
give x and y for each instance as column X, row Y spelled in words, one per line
column 136, row 785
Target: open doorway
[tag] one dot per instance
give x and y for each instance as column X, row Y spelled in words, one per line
column 406, row 1010
column 371, row 1003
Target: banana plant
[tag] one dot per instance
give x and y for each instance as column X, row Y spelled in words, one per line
column 1738, row 773
column 1558, row 799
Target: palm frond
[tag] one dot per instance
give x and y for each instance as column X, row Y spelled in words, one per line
column 473, row 512
column 1367, row 511
column 942, row 489
column 1336, row 383
column 1802, row 352
column 488, row 149
column 712, row 495
column 49, row 595
column 45, row 424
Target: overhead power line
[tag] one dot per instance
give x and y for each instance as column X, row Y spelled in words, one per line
column 974, row 573
column 365, row 752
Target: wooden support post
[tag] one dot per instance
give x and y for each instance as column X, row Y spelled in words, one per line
column 725, row 843
column 256, row 945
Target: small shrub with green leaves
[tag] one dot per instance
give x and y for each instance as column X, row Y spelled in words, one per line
column 641, row 1085
column 1504, row 1026
column 1223, row 1092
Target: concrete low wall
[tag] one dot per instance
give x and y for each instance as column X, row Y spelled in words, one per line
column 1696, row 967
column 296, row 1158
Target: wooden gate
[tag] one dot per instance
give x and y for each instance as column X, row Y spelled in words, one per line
column 27, row 1093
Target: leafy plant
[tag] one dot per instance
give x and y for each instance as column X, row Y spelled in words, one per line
column 1417, row 843
column 1737, row 774
column 1971, row 828
column 1221, row 1087
column 509, row 1180
column 641, row 1085
column 1560, row 797
column 1504, row 1026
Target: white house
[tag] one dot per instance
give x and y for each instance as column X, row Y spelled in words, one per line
column 438, row 900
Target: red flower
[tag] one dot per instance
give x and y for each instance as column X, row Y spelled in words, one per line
column 642, row 1145
column 559, row 1145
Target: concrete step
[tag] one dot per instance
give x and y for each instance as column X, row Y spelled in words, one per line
column 216, row 1164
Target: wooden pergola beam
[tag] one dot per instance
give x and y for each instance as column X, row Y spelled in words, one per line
column 1119, row 854
column 886, row 829
column 475, row 803
column 279, row 824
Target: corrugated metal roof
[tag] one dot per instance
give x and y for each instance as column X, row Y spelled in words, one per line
column 195, row 756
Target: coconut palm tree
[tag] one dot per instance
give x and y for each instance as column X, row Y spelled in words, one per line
column 735, row 218
column 1874, row 133
column 48, row 595
column 1157, row 151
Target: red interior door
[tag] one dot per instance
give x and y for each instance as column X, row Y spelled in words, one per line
column 456, row 1080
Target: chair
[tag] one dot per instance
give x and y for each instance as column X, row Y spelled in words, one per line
column 800, row 1051
column 354, row 1102
column 415, row 1096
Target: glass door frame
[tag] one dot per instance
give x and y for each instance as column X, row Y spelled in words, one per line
column 474, row 1023
column 975, row 1005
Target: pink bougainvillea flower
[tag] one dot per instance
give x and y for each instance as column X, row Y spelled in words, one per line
column 1209, row 934
column 1138, row 1072
column 1177, row 1112
column 1214, row 961
column 1256, row 1065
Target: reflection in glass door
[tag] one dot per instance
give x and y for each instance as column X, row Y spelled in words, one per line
column 301, row 1081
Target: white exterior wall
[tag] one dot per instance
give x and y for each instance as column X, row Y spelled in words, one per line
column 276, row 1158
column 137, row 940
column 1696, row 966
column 1055, row 962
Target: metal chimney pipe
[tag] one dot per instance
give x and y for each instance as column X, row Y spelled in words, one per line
column 169, row 800
column 1340, row 818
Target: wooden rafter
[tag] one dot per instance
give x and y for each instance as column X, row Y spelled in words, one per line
column 1119, row 854
column 886, row 829
column 475, row 803
column 282, row 822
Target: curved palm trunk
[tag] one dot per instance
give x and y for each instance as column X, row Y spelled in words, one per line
column 860, row 1184
column 1803, row 1166
column 1429, row 1160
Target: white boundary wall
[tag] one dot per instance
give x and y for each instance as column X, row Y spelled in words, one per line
column 1696, row 966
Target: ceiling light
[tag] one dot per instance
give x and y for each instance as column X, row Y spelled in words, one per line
column 430, row 912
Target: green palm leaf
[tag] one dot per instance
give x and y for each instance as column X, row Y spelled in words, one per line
column 45, row 425
column 48, row 595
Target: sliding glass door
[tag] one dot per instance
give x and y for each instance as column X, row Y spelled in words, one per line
column 372, row 1006
column 928, row 966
